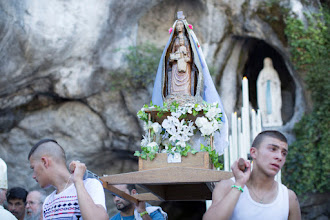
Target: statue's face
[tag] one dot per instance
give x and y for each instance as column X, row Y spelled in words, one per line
column 179, row 26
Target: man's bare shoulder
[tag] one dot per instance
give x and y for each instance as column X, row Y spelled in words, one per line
column 294, row 207
column 292, row 195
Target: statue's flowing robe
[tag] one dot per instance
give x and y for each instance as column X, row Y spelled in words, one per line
column 269, row 95
column 207, row 89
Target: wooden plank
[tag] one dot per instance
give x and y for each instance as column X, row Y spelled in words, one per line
column 147, row 197
column 207, row 161
column 172, row 183
column 199, row 160
column 119, row 193
column 169, row 175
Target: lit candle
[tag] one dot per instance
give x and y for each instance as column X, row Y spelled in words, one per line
column 226, row 155
column 234, row 135
column 253, row 123
column 259, row 128
column 241, row 144
column 245, row 131
column 239, row 136
column 245, row 92
column 245, row 118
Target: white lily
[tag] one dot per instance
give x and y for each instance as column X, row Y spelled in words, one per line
column 200, row 121
column 156, row 127
column 213, row 112
column 181, row 143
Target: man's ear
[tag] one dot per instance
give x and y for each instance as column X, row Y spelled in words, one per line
column 45, row 161
column 253, row 152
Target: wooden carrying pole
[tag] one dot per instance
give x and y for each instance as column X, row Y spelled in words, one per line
column 119, row 193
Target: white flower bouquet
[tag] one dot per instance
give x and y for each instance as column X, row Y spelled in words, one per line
column 175, row 126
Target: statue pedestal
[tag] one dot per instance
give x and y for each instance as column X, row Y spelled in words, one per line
column 199, row 160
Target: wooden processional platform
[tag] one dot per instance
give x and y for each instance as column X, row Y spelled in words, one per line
column 192, row 179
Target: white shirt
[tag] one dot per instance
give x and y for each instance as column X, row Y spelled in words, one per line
column 65, row 204
column 247, row 208
column 6, row 215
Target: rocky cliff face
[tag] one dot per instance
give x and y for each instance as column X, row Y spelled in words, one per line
column 56, row 56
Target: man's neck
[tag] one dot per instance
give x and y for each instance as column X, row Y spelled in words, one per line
column 62, row 181
column 258, row 180
column 129, row 212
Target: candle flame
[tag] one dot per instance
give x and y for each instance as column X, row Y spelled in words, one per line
column 244, row 78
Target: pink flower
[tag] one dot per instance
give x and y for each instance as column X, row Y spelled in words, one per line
column 198, row 45
column 190, row 26
column 170, row 30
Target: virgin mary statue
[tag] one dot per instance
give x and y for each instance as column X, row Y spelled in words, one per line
column 184, row 77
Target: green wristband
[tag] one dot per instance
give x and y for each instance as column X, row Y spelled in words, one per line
column 237, row 187
column 143, row 213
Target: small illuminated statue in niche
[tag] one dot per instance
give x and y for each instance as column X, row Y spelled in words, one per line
column 269, row 95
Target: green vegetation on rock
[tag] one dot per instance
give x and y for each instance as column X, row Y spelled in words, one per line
column 142, row 63
column 308, row 168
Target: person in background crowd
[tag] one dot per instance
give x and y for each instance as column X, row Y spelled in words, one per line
column 81, row 198
column 16, row 198
column 255, row 194
column 33, row 207
column 130, row 211
column 4, row 214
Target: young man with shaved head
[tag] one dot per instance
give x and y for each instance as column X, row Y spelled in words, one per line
column 74, row 198
column 255, row 194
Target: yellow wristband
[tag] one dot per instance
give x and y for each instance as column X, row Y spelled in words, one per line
column 143, row 213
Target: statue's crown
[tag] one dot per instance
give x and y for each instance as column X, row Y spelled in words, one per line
column 180, row 15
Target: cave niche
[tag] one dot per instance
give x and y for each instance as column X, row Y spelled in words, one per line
column 256, row 51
